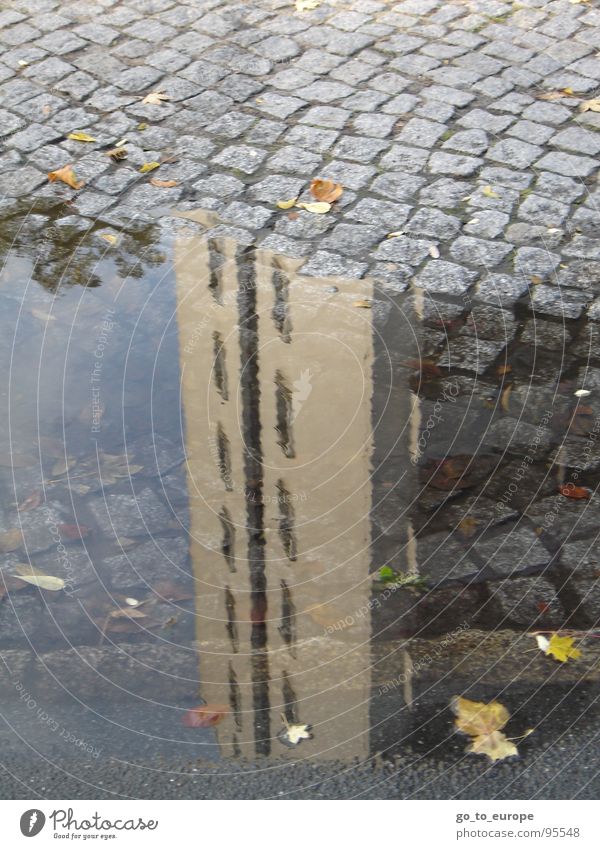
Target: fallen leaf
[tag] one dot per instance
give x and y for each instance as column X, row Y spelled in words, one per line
column 560, row 648
column 11, row 540
column 66, row 175
column 569, row 490
column 82, row 137
column 468, row 526
column 73, row 531
column 505, row 399
column 293, row 733
column 316, row 208
column 163, row 184
column 149, row 166
column 141, row 127
column 326, row 190
column 27, row 573
column 395, row 234
column 287, row 204
column 121, row 142
column 543, row 606
column 117, row 153
column 307, row 5
column 590, row 105
column 434, row 252
column 489, row 192
column 110, row 238
column 31, row 502
column 536, row 279
column 363, row 304
column 205, row 716
column 483, row 723
column 427, row 367
column 582, row 393
column 22, row 63
column 155, row 98
column 556, row 95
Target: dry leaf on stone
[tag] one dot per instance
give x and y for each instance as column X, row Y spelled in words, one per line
column 293, row 733
column 156, row 98
column 117, row 153
column 82, row 137
column 560, row 648
column 556, row 95
column 163, row 184
column 307, row 5
column 363, row 304
column 326, row 190
column 287, row 204
column 434, row 252
column 149, row 166
column 483, row 723
column 489, row 192
column 590, row 105
column 66, row 175
column 110, row 238
column 315, row 208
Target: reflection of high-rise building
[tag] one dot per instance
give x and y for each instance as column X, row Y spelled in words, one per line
column 277, row 386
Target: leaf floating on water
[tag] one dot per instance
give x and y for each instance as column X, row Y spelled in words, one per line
column 82, row 137
column 163, row 184
column 293, row 733
column 27, row 573
column 287, row 204
column 31, row 502
column 326, row 190
column 11, row 540
column 483, row 723
column 560, row 648
column 149, row 166
column 66, row 175
column 569, row 490
column 156, row 98
column 205, row 716
column 316, row 208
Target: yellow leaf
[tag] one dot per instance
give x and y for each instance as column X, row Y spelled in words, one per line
column 109, row 237
column 82, row 137
column 27, row 573
column 307, row 5
column 395, row 234
column 590, row 105
column 66, row 175
column 560, row 648
column 317, row 208
column 489, row 192
column 364, row 304
column 142, row 127
column 556, row 95
column 505, row 398
column 155, row 98
column 286, row 204
column 149, row 166
column 484, row 723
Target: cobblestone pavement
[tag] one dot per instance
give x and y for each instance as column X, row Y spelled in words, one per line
column 428, row 112
column 432, row 115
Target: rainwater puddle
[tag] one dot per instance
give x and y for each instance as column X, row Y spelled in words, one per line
column 217, row 456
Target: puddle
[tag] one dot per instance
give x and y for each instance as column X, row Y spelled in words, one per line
column 218, row 455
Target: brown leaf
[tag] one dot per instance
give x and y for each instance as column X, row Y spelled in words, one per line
column 31, row 502
column 73, row 531
column 556, row 95
column 117, row 153
column 11, row 540
column 205, row 716
column 326, row 190
column 66, row 175
column 163, row 184
column 569, row 490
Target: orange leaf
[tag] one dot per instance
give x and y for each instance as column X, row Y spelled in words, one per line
column 66, row 175
column 326, row 190
column 205, row 716
column 163, row 184
column 569, row 490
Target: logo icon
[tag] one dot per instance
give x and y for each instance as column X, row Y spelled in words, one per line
column 32, row 822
